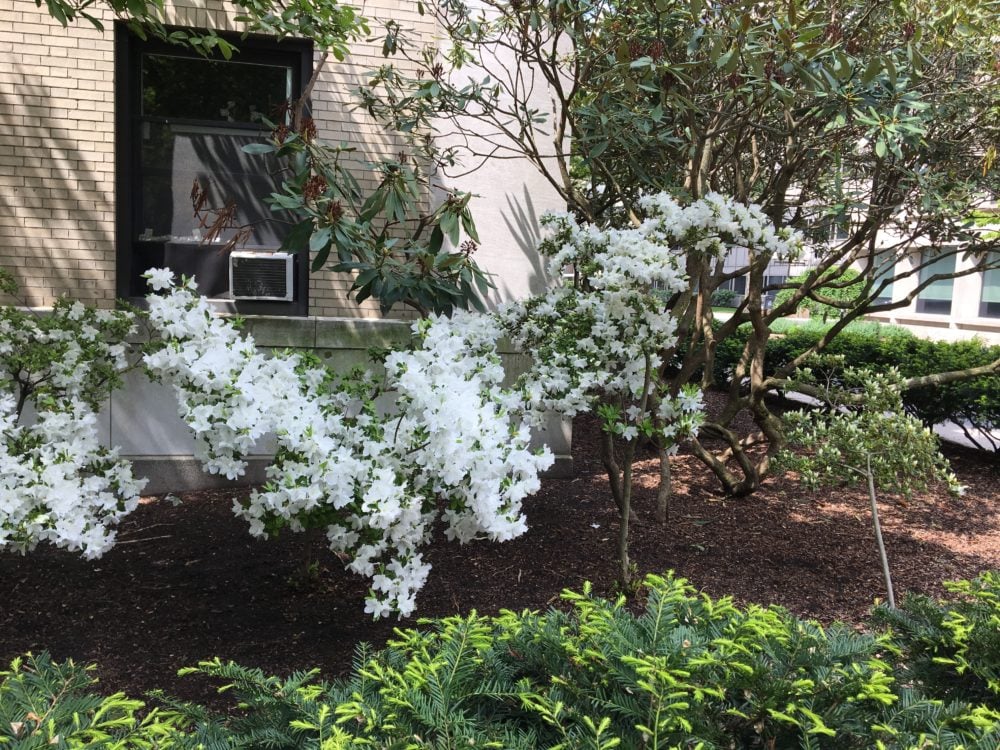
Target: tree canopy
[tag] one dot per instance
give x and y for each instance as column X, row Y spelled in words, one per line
column 880, row 118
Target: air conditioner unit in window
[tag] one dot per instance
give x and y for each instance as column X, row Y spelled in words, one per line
column 261, row 276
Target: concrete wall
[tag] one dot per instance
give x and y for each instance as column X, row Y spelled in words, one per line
column 142, row 417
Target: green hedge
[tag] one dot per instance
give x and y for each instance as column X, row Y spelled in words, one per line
column 976, row 401
column 686, row 672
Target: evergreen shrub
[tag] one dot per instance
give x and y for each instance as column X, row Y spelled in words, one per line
column 974, row 402
column 951, row 649
column 686, row 671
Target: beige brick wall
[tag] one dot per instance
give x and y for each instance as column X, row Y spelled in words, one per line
column 56, row 156
column 57, row 170
column 339, row 121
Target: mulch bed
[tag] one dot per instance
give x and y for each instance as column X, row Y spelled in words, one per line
column 187, row 583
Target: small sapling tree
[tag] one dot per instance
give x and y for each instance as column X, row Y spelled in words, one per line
column 862, row 435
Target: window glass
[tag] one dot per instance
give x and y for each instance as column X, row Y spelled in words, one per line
column 989, row 306
column 774, row 281
column 213, row 90
column 885, row 295
column 736, row 284
column 936, row 298
column 174, row 156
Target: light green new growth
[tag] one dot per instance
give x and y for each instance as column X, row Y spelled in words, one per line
column 863, row 435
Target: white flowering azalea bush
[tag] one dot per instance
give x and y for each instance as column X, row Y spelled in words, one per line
column 375, row 457
column 605, row 330
column 605, row 336
column 58, row 484
column 376, row 460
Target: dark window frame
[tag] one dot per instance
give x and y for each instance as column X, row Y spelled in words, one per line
column 297, row 53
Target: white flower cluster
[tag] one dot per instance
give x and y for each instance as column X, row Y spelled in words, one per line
column 57, row 484
column 717, row 224
column 600, row 336
column 373, row 462
column 229, row 393
column 603, row 336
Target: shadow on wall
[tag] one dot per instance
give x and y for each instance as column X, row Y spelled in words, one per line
column 56, row 207
column 522, row 223
column 341, row 120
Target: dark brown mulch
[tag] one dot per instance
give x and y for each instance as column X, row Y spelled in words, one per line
column 187, row 583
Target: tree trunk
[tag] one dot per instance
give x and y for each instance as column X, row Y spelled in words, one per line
column 663, row 493
column 878, row 533
column 611, row 467
column 624, row 564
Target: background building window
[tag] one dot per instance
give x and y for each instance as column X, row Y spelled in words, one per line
column 737, row 284
column 885, row 295
column 936, row 298
column 775, row 281
column 989, row 304
column 183, row 121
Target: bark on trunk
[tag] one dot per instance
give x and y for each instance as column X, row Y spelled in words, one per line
column 878, row 534
column 624, row 564
column 663, row 493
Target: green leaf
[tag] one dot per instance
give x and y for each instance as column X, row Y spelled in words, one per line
column 436, row 241
column 319, row 239
column 297, row 239
column 366, row 277
column 450, row 226
column 225, row 48
column 291, row 202
column 717, row 50
column 844, row 68
column 258, row 148
column 730, row 65
column 469, row 225
column 319, row 260
column 483, row 283
column 890, row 69
column 872, row 69
column 723, row 60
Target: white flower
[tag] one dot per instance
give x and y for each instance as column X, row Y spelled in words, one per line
column 159, row 278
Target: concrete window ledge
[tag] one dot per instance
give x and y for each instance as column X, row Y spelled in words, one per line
column 942, row 327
